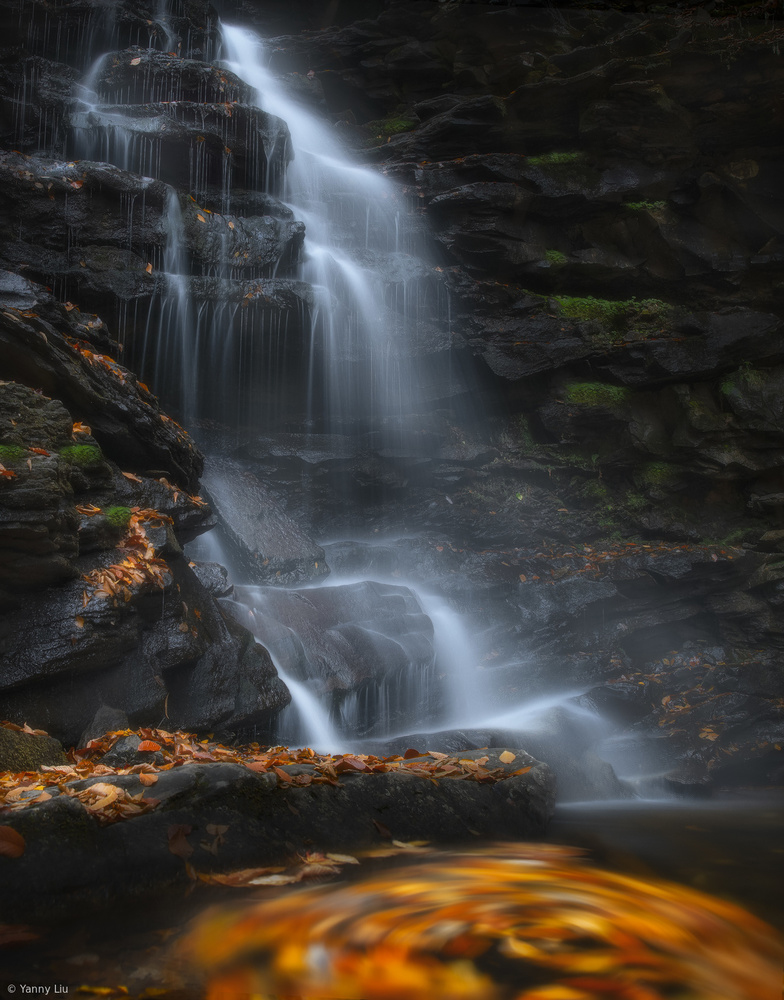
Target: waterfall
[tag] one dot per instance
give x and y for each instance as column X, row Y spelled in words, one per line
column 288, row 298
column 360, row 366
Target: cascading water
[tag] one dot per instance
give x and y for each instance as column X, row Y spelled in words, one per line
column 352, row 243
column 292, row 298
column 366, row 385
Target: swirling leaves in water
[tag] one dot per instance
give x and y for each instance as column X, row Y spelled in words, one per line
column 512, row 922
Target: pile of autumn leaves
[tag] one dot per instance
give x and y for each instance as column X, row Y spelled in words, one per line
column 109, row 803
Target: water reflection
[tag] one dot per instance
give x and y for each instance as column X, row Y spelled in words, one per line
column 506, row 922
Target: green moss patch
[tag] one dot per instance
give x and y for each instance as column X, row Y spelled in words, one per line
column 118, row 517
column 10, row 453
column 555, row 159
column 596, row 394
column 617, row 314
column 81, row 454
column 659, row 474
column 385, row 128
column 554, row 257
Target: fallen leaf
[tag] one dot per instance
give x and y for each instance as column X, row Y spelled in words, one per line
column 12, row 844
column 412, row 753
column 130, row 475
column 148, row 269
column 148, row 746
column 136, row 61
column 79, row 621
column 148, row 779
column 178, row 843
column 507, row 757
column 201, row 218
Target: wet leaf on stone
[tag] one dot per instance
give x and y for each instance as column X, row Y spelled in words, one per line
column 12, row 843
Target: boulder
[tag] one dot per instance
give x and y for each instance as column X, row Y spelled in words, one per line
column 96, row 865
column 23, row 751
column 263, row 544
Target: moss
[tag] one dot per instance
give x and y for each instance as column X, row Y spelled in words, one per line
column 595, row 490
column 645, row 206
column 556, row 159
column 618, row 314
column 554, row 257
column 659, row 473
column 81, row 454
column 383, row 128
column 118, row 517
column 745, row 378
column 635, row 502
column 596, row 394
column 10, row 453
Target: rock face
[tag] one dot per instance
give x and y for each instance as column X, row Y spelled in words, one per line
column 365, row 648
column 100, row 605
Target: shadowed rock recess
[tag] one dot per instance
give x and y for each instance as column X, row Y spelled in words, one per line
column 598, row 488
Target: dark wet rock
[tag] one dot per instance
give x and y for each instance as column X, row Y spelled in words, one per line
column 105, row 720
column 165, row 653
column 254, row 146
column 99, row 227
column 21, row 751
column 125, row 752
column 580, row 775
column 214, row 578
column 143, row 76
column 346, row 639
column 49, row 349
column 95, row 865
column 74, row 31
column 263, row 544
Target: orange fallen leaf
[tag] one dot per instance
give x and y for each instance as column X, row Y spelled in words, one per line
column 132, row 477
column 148, row 269
column 136, row 61
column 148, row 779
column 12, row 843
column 148, row 746
column 507, row 757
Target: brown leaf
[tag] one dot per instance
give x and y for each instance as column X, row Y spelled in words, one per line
column 412, row 753
column 12, row 844
column 201, row 218
column 507, row 757
column 130, row 475
column 148, row 746
column 245, row 876
column 148, row 269
column 178, row 843
column 148, row 779
column 136, row 61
